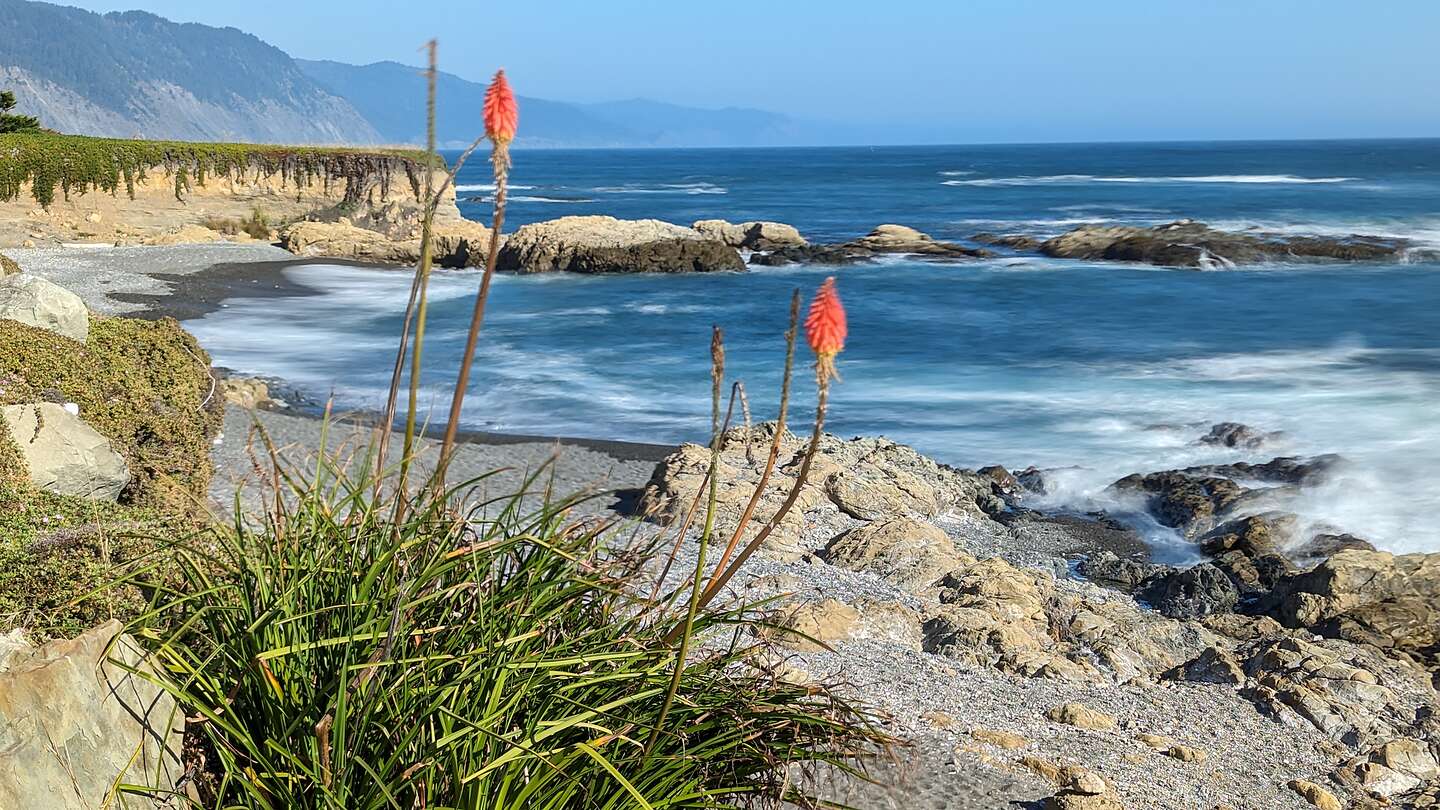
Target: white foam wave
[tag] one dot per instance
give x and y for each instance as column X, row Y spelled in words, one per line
column 956, row 173
column 663, row 188
column 488, row 187
column 1082, row 179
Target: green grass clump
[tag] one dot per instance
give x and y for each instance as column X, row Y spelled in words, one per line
column 60, row 558
column 78, row 165
column 145, row 385
column 485, row 659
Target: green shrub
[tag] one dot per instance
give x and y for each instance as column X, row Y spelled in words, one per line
column 497, row 660
column 145, row 385
column 60, row 558
column 78, row 164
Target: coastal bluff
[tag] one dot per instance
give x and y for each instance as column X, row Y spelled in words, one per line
column 58, row 189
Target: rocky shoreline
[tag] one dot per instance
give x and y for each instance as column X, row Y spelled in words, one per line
column 1027, row 656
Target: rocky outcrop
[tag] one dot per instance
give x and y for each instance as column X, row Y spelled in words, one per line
column 901, row 550
column 75, row 722
column 34, row 301
column 456, row 244
column 884, row 240
column 63, row 454
column 751, row 235
column 601, row 244
column 858, row 480
column 1194, row 244
column 1388, row 601
column 246, row 392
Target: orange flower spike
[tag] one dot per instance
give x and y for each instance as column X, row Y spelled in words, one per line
column 502, row 113
column 825, row 328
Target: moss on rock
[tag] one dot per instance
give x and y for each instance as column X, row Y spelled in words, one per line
column 145, row 385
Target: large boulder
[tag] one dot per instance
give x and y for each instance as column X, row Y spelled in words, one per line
column 751, row 235
column 33, row 300
column 1370, row 597
column 1195, row 244
column 904, row 551
column 63, row 454
column 75, row 722
column 455, row 244
column 864, row 479
column 602, row 244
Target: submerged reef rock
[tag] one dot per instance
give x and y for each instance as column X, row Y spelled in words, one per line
column 602, row 244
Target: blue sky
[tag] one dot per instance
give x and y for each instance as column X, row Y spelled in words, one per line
column 918, row 70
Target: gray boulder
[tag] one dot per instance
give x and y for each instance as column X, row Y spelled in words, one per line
column 63, row 453
column 601, row 244
column 75, row 722
column 34, row 301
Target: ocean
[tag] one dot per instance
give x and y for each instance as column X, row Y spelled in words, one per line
column 1096, row 369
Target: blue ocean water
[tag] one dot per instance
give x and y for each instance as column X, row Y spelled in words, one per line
column 1101, row 369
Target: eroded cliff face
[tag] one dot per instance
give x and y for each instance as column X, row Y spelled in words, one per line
column 223, row 207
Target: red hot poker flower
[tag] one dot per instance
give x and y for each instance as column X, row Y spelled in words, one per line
column 502, row 113
column 825, row 327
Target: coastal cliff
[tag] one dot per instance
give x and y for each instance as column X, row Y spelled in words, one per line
column 56, row 189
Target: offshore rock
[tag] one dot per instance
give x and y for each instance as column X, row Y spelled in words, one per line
column 1194, row 244
column 884, row 240
column 602, row 244
column 751, row 235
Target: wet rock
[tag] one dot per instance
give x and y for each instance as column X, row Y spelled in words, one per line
column 34, row 301
column 1014, row 241
column 1325, row 545
column 1108, row 569
column 1003, row 483
column 751, row 235
column 1193, row 244
column 63, row 454
column 901, row 550
column 1190, row 593
column 1234, row 434
column 1282, row 470
column 1181, row 500
column 602, row 244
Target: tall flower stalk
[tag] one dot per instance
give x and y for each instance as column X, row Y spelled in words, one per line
column 502, row 118
column 416, row 309
column 825, row 331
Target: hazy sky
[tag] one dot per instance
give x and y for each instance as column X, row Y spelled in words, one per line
column 931, row 70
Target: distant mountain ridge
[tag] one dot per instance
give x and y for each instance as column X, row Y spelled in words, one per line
column 391, row 96
column 134, row 74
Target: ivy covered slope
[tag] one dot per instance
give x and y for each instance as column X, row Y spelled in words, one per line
column 144, row 385
column 71, row 164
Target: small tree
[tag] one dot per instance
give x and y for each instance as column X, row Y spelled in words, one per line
column 15, row 123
